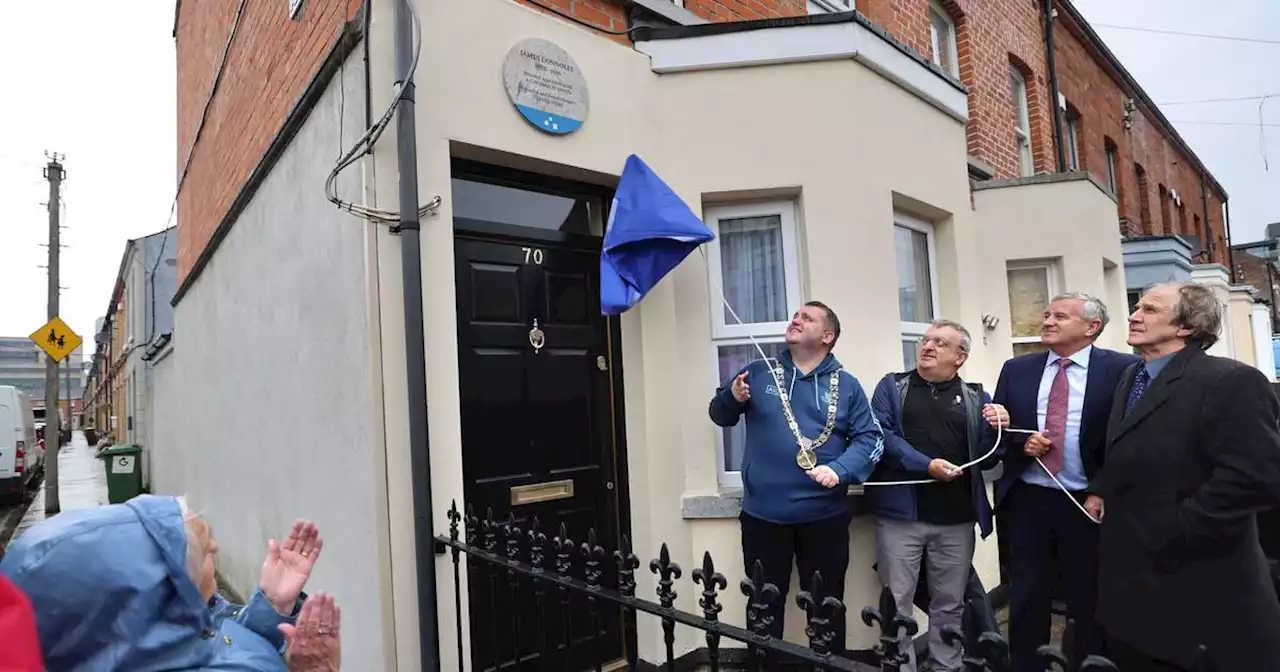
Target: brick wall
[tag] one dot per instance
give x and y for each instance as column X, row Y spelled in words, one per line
column 611, row 15
column 1095, row 91
column 270, row 64
column 991, row 37
column 1251, row 270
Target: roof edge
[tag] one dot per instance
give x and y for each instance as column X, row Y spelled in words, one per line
column 1149, row 105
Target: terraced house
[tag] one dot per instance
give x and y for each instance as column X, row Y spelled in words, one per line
column 900, row 161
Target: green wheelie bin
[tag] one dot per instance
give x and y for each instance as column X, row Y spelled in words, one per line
column 124, row 472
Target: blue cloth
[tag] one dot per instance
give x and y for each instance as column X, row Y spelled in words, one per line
column 775, row 488
column 651, row 230
column 903, row 462
column 1072, row 474
column 111, row 591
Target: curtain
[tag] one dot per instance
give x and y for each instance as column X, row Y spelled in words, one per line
column 752, row 269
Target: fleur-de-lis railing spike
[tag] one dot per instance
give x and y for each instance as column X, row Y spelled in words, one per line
column 985, row 652
column 761, row 597
column 627, row 563
column 513, row 535
column 667, row 572
column 594, row 555
column 712, row 582
column 537, row 545
column 1063, row 657
column 454, row 517
column 471, row 526
column 896, row 631
column 823, row 613
column 564, row 551
column 490, row 529
column 1098, row 664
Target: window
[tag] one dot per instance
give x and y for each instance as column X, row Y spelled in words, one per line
column 827, row 6
column 753, row 264
column 1073, row 141
column 1032, row 285
column 1144, row 206
column 917, row 282
column 942, row 30
column 1111, row 166
column 1022, row 123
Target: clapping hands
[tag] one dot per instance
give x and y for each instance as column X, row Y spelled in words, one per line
column 288, row 566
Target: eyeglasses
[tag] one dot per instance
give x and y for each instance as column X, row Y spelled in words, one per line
column 939, row 343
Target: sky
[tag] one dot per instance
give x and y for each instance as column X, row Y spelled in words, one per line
column 96, row 83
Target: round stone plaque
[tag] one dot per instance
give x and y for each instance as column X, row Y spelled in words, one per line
column 546, row 86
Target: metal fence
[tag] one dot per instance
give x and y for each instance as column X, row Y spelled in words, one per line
column 513, row 571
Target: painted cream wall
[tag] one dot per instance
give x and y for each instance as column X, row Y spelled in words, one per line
column 1070, row 220
column 1240, row 315
column 710, row 138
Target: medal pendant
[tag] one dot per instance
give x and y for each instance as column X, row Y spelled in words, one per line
column 806, row 459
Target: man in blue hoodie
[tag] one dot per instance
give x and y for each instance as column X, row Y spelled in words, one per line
column 810, row 434
column 933, row 423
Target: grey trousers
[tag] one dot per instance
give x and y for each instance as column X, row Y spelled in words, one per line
column 949, row 552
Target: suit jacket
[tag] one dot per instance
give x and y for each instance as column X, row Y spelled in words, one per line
column 1188, row 469
column 1018, row 390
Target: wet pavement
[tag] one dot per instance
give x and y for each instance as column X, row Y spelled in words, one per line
column 82, row 482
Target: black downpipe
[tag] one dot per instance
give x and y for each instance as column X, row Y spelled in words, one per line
column 1231, row 251
column 415, row 349
column 1061, row 153
column 1208, row 223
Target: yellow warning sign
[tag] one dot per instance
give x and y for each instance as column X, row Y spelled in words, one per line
column 56, row 339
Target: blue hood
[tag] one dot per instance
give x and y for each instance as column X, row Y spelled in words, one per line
column 110, row 585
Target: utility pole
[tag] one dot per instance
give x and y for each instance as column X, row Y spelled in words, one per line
column 53, row 421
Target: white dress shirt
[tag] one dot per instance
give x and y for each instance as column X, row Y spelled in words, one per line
column 1072, row 475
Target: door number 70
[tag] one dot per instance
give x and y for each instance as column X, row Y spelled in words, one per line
column 532, row 253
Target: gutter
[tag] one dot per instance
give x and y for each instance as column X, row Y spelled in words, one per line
column 1231, row 252
column 1208, row 223
column 1055, row 96
column 409, row 229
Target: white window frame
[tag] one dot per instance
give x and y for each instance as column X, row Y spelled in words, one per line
column 1050, row 268
column 1111, row 169
column 725, row 332
column 828, row 6
column 912, row 332
column 1022, row 125
column 953, row 57
column 1073, row 142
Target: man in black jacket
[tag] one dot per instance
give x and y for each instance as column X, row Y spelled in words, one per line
column 1193, row 455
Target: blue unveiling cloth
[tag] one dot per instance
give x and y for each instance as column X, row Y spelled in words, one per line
column 651, row 230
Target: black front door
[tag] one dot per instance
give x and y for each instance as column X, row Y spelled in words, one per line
column 537, row 435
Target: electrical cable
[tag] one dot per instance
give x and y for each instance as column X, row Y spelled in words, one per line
column 1231, row 38
column 925, row 481
column 364, row 145
column 1205, row 101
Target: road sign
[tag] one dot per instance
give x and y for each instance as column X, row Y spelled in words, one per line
column 56, row 339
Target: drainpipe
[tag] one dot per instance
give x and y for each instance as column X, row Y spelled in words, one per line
column 414, row 341
column 1208, row 228
column 1231, row 252
column 1053, row 86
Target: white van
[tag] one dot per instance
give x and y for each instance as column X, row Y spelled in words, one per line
column 20, row 456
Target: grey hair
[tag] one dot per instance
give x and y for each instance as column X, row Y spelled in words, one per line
column 1092, row 308
column 966, row 341
column 1197, row 311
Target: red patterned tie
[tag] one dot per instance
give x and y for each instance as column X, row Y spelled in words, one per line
column 1055, row 418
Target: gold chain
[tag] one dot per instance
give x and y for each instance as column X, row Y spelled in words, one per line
column 805, row 443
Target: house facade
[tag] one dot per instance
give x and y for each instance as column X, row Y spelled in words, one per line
column 138, row 320
column 917, row 187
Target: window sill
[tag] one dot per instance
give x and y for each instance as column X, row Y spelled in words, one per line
column 728, row 504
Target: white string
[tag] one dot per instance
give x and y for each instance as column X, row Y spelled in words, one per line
column 923, row 481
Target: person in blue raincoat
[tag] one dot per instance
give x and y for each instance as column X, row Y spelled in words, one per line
column 131, row 587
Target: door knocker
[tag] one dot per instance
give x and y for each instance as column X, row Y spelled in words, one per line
column 537, row 338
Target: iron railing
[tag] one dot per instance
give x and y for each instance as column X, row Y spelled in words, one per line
column 501, row 548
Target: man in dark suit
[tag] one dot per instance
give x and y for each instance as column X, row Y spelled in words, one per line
column 1193, row 455
column 1065, row 395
